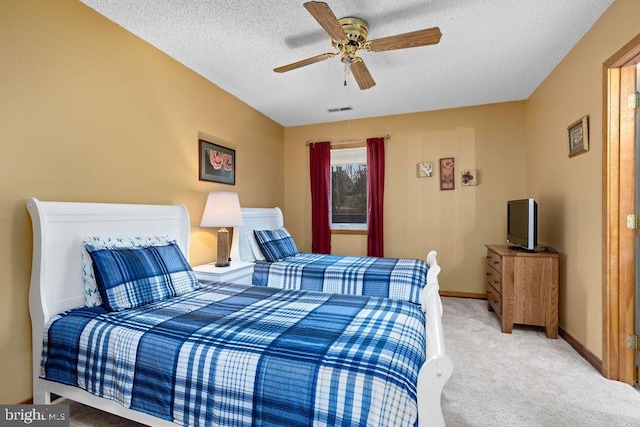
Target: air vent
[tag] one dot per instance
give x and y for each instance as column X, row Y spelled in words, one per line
column 336, row 110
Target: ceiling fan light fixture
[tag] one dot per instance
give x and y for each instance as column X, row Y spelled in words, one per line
column 349, row 36
column 347, row 65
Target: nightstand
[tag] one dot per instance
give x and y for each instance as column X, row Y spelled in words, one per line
column 237, row 272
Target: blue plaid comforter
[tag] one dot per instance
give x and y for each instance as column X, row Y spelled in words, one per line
column 236, row 355
column 380, row 277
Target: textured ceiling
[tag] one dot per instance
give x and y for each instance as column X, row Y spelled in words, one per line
column 490, row 51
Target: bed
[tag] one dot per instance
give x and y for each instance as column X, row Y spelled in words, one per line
column 267, row 326
column 397, row 278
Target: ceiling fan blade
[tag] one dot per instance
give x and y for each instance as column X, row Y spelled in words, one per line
column 425, row 37
column 327, row 20
column 304, row 62
column 361, row 74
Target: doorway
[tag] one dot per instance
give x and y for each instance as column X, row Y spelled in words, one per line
column 620, row 130
column 636, row 260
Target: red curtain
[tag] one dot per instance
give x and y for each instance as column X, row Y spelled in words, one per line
column 375, row 196
column 320, row 166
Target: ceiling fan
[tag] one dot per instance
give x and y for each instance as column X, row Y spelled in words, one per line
column 349, row 36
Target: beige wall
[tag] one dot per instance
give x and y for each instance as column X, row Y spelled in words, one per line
column 569, row 189
column 89, row 112
column 418, row 216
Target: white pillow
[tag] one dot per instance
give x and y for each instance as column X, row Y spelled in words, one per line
column 255, row 249
column 90, row 287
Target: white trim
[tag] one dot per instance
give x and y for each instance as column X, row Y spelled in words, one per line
column 347, row 226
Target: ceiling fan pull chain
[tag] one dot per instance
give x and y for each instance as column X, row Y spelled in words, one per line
column 347, row 68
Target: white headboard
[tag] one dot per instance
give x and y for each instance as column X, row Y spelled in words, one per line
column 58, row 229
column 256, row 219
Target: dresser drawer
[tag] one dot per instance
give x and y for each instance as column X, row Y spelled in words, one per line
column 494, row 279
column 495, row 300
column 494, row 260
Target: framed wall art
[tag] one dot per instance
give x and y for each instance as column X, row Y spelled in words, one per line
column 217, row 163
column 447, row 177
column 578, row 137
column 469, row 177
column 424, row 169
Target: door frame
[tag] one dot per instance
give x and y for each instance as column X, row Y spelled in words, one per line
column 618, row 195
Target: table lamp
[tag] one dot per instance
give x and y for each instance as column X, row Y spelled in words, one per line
column 222, row 210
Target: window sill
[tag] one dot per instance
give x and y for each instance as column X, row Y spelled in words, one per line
column 355, row 232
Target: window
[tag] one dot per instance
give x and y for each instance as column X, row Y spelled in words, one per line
column 349, row 188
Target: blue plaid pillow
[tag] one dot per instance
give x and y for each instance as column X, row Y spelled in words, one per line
column 131, row 277
column 276, row 244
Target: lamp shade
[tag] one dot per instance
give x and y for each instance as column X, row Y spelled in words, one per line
column 222, row 210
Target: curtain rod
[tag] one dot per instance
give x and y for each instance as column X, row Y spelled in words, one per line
column 345, row 141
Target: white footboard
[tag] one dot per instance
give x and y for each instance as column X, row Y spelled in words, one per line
column 436, row 371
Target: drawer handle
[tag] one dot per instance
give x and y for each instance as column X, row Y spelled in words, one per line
column 488, row 257
column 495, row 301
column 496, row 281
column 488, row 274
column 496, row 262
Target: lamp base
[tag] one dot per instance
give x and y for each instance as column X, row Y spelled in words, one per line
column 223, row 248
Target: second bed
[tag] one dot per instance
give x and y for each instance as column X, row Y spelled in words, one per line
column 264, row 241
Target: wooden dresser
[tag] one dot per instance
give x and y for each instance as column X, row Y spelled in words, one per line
column 522, row 288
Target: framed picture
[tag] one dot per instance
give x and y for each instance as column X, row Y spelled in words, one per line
column 470, row 177
column 217, row 163
column 424, row 170
column 578, row 134
column 447, row 177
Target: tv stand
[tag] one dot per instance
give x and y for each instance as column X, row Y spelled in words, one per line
column 521, row 249
column 522, row 287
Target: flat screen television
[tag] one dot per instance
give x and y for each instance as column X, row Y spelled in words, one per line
column 522, row 224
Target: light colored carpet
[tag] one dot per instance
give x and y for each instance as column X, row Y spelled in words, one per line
column 524, row 378
column 519, row 379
